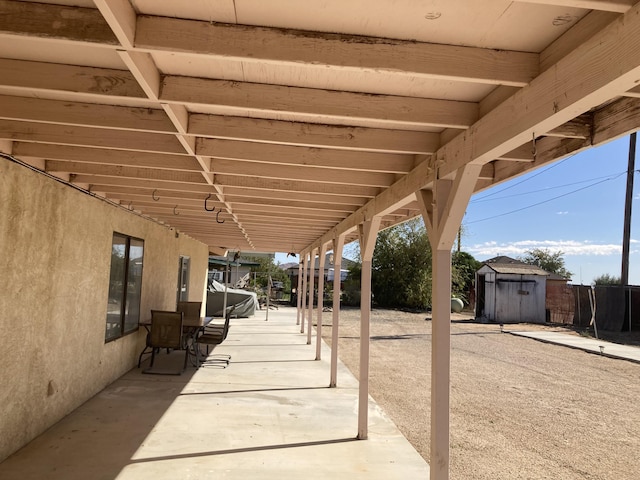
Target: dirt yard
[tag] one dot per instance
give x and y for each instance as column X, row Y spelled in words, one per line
column 520, row 409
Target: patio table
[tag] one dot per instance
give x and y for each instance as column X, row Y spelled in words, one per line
column 191, row 326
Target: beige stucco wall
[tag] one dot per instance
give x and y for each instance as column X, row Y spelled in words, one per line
column 56, row 249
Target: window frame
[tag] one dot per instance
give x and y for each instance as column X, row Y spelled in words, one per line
column 125, row 298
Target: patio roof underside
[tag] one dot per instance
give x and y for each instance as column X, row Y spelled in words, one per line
column 297, row 120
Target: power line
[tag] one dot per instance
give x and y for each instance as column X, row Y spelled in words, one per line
column 546, row 201
column 528, row 178
column 484, row 199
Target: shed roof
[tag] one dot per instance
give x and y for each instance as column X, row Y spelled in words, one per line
column 508, row 265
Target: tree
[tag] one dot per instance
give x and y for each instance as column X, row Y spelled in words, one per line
column 401, row 270
column 606, row 279
column 463, row 274
column 401, row 267
column 351, row 286
column 552, row 262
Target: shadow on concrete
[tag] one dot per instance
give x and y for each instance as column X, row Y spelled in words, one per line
column 246, row 450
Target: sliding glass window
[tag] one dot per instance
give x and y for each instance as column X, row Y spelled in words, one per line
column 125, row 286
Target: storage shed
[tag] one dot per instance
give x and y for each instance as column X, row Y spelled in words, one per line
column 510, row 291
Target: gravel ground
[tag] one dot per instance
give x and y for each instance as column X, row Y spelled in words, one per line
column 520, row 409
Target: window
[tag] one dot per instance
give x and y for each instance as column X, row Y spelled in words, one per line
column 125, row 285
column 183, row 279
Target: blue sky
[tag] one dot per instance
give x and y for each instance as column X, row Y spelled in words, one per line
column 575, row 205
column 582, row 214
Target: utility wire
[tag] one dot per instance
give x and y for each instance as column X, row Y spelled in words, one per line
column 546, row 201
column 484, row 199
column 527, row 178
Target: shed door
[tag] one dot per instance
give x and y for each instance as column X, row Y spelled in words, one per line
column 515, row 300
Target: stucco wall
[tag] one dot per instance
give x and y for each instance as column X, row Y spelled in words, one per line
column 56, row 247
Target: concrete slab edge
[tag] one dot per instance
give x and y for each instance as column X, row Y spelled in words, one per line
column 575, row 347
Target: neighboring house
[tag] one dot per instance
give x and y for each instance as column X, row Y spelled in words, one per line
column 292, row 269
column 329, row 272
column 510, row 291
column 237, row 269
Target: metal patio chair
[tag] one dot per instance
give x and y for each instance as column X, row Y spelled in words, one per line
column 214, row 335
column 190, row 309
column 166, row 332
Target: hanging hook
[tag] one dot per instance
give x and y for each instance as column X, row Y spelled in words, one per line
column 535, row 149
column 153, row 195
column 174, row 210
column 218, row 217
column 205, row 205
column 130, row 207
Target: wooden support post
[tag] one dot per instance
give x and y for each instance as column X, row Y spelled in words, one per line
column 312, row 274
column 442, row 210
column 368, row 234
column 303, row 292
column 323, row 254
column 299, row 291
column 440, row 362
column 338, row 245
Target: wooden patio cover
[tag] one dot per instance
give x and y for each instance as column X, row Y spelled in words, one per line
column 303, row 122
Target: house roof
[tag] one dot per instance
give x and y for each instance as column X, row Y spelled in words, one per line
column 219, row 260
column 346, row 263
column 278, row 125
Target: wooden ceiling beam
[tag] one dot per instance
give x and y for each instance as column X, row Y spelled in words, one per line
column 80, row 168
column 84, row 114
column 90, row 137
column 260, row 202
column 98, row 183
column 313, row 135
column 618, row 6
column 276, row 224
column 263, row 44
column 284, row 185
column 299, row 222
column 288, row 229
column 96, row 82
column 106, row 156
column 553, row 149
column 312, row 102
column 55, row 21
column 151, row 193
column 192, row 204
column 305, row 156
column 579, row 127
column 277, row 211
column 616, row 119
column 310, row 174
column 272, row 45
column 294, row 196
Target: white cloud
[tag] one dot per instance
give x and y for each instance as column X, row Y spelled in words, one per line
column 562, row 213
column 569, row 247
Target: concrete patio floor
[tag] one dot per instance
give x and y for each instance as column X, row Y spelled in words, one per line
column 269, row 414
